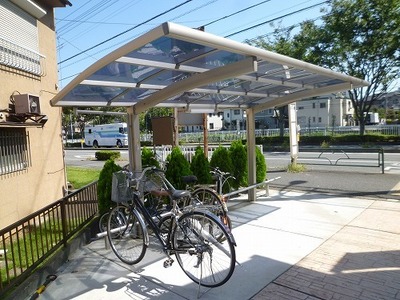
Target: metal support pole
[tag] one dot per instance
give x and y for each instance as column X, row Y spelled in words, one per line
column 205, row 134
column 251, row 152
column 294, row 147
column 134, row 150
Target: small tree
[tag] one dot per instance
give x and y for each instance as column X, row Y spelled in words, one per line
column 104, row 185
column 200, row 166
column 261, row 166
column 149, row 158
column 222, row 160
column 237, row 153
column 177, row 167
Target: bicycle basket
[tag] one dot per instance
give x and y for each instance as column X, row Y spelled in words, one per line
column 120, row 189
column 152, row 181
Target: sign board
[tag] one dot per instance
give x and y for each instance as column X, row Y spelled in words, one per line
column 163, row 131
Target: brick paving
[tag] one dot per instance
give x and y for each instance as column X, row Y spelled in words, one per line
column 361, row 261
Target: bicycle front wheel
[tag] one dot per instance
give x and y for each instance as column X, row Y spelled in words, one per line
column 126, row 234
column 207, row 259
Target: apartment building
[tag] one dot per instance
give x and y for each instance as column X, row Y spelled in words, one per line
column 193, row 122
column 234, row 119
column 325, row 111
column 32, row 172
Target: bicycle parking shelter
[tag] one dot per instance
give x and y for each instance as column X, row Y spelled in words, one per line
column 192, row 70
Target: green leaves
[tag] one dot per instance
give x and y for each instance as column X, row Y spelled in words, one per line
column 200, row 167
column 177, row 167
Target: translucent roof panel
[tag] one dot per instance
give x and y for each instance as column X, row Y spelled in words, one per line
column 176, row 66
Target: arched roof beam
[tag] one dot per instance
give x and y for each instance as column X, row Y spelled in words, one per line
column 232, row 70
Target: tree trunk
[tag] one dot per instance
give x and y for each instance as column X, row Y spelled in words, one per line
column 281, row 128
column 362, row 127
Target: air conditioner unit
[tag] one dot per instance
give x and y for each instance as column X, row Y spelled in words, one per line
column 27, row 104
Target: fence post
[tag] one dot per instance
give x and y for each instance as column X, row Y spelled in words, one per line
column 64, row 221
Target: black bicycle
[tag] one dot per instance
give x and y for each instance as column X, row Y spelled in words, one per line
column 193, row 235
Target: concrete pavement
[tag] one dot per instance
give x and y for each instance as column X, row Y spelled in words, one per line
column 290, row 245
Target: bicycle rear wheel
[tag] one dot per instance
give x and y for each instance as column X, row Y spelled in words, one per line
column 126, row 234
column 103, row 222
column 211, row 200
column 206, row 258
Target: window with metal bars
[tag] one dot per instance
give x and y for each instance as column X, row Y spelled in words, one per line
column 14, row 150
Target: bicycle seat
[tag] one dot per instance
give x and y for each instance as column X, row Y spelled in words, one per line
column 178, row 194
column 189, row 179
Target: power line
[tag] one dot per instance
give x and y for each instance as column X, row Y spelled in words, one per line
column 283, row 29
column 78, row 21
column 95, row 22
column 194, row 9
column 91, row 11
column 236, row 12
column 277, row 18
column 130, row 29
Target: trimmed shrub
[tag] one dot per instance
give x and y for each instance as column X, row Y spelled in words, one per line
column 261, row 166
column 200, row 166
column 177, row 167
column 104, row 185
column 107, row 154
column 222, row 160
column 149, row 158
column 238, row 155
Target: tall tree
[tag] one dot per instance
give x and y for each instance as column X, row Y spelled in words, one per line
column 360, row 38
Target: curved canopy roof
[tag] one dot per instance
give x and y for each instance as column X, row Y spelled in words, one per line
column 176, row 66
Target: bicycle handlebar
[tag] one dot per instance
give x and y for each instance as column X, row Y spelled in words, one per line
column 220, row 173
column 135, row 181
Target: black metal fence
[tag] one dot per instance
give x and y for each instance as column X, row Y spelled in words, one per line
column 25, row 244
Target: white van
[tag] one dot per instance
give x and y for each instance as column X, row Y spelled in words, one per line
column 107, row 135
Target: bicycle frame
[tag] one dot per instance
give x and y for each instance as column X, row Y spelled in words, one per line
column 166, row 244
column 221, row 179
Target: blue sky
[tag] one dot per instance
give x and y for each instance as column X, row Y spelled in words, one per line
column 88, row 23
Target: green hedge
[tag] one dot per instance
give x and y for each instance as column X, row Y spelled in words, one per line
column 104, row 185
column 107, row 154
column 314, row 140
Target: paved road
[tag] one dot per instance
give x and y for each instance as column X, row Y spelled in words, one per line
column 349, row 180
column 275, row 160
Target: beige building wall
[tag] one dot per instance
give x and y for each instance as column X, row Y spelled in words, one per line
column 42, row 183
column 324, row 112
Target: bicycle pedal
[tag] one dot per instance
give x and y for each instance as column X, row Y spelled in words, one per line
column 168, row 263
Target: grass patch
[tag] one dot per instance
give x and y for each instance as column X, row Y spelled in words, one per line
column 296, row 168
column 79, row 177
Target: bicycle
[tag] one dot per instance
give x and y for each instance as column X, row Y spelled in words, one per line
column 191, row 235
column 157, row 191
column 210, row 198
column 221, row 180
